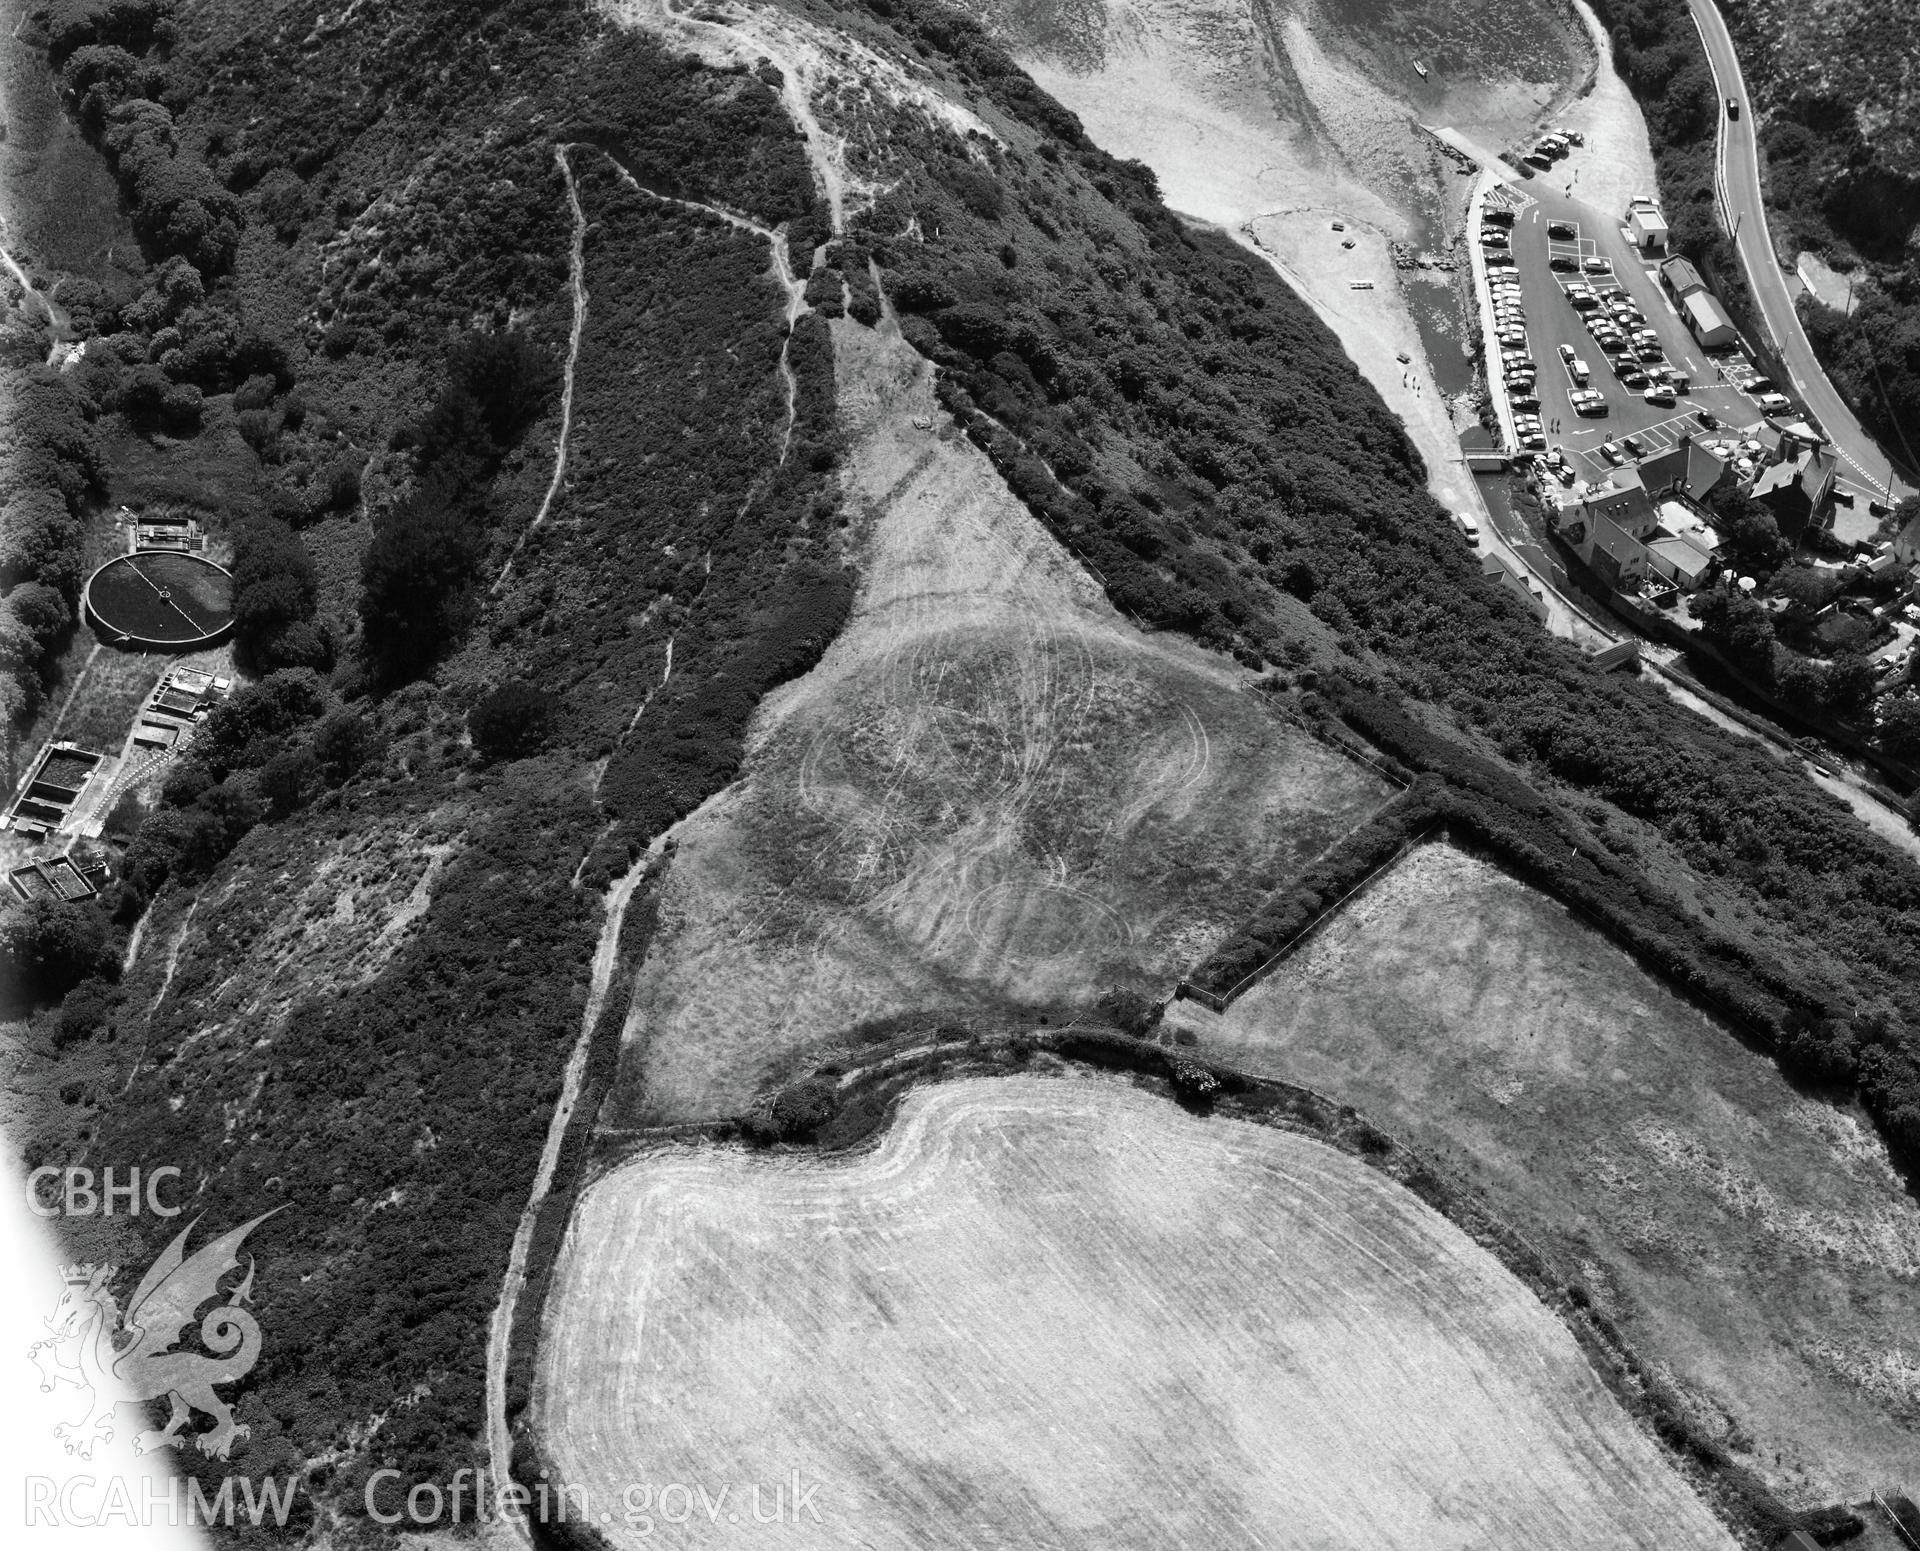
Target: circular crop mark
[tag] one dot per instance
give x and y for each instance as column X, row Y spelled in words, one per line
column 161, row 600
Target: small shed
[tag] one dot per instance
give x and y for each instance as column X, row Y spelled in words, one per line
column 1648, row 229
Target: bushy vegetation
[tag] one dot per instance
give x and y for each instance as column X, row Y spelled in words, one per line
column 1834, row 86
column 1658, row 53
column 1163, row 402
column 1185, row 421
column 50, row 469
column 419, row 579
column 403, row 1117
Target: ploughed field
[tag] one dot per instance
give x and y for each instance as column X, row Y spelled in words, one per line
column 1061, row 1311
column 1753, row 1243
column 993, row 792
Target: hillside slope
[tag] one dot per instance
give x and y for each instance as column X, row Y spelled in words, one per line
column 369, row 914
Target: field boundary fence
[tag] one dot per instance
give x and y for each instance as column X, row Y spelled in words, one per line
column 1322, row 737
column 1909, row 1534
column 1219, row 1002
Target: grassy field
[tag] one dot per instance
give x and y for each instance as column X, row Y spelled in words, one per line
column 1753, row 1243
column 1062, row 1312
column 992, row 792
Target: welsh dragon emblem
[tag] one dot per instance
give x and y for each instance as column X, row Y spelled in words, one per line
column 94, row 1349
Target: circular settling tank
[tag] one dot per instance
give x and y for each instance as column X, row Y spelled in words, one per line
column 160, row 600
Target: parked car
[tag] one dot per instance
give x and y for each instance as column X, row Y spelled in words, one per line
column 1562, row 231
column 1582, row 301
column 1526, row 401
column 1611, row 452
column 1634, row 445
column 1498, row 214
column 1707, row 418
column 1597, row 266
column 1563, row 261
column 1566, row 352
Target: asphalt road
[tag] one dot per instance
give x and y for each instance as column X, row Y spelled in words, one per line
column 1739, row 168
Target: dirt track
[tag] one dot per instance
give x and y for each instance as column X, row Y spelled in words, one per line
column 1060, row 1312
column 993, row 790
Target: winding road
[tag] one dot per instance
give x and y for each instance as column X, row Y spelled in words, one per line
column 1737, row 171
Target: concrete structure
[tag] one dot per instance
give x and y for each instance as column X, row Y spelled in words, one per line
column 1906, row 543
column 1691, row 468
column 1680, row 278
column 1622, row 500
column 1648, row 229
column 1517, row 582
column 1708, row 321
column 49, row 794
column 1797, row 488
column 1680, row 560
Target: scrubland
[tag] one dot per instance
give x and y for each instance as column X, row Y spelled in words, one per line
column 1754, row 1243
column 993, row 791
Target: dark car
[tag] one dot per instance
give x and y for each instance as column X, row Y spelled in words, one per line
column 1527, row 402
column 1633, row 444
column 1564, row 231
column 1563, row 261
column 1733, row 107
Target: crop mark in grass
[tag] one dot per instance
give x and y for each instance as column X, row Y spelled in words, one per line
column 1033, row 1278
column 1052, row 919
